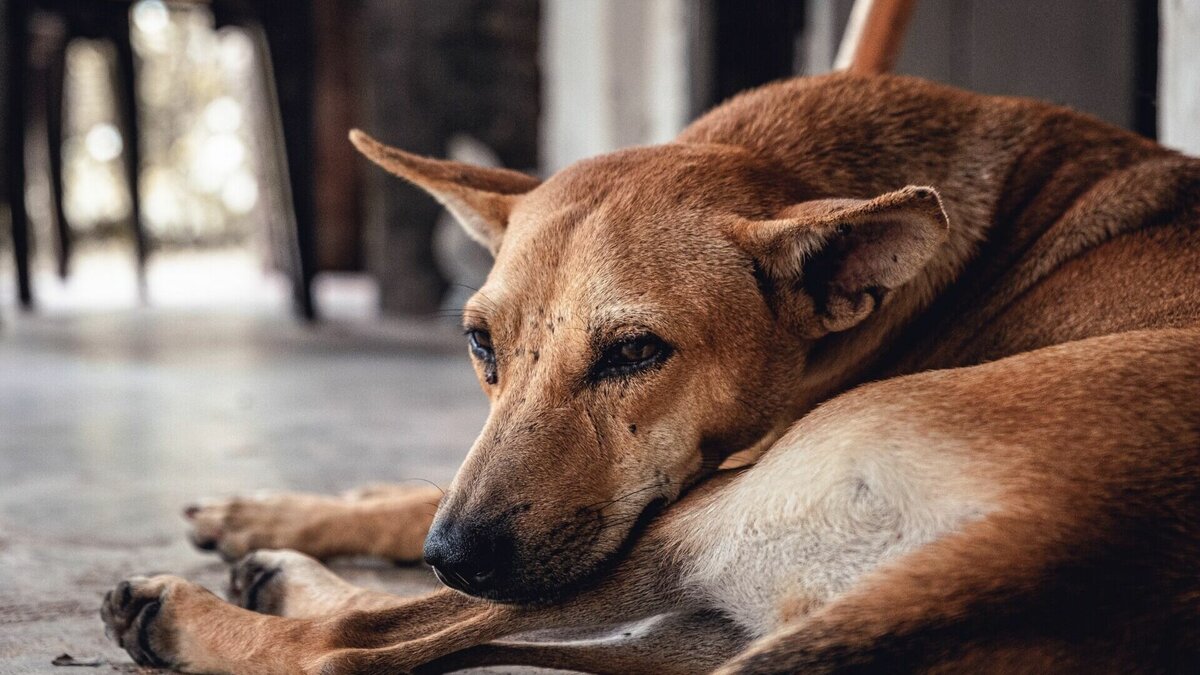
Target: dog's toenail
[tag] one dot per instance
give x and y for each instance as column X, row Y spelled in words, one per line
column 125, row 591
column 191, row 511
column 203, row 544
column 258, row 581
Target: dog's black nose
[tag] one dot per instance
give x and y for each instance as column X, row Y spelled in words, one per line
column 471, row 557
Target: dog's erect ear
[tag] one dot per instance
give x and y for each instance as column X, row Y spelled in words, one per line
column 845, row 254
column 481, row 198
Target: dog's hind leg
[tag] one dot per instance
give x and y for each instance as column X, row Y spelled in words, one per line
column 1008, row 594
column 388, row 522
column 682, row 643
column 905, row 615
column 1083, row 560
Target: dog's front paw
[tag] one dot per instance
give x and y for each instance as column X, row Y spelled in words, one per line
column 136, row 616
column 252, row 583
column 236, row 526
column 287, row 583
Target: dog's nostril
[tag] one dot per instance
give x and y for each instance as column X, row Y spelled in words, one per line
column 468, row 557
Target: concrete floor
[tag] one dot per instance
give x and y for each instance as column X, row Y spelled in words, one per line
column 110, row 424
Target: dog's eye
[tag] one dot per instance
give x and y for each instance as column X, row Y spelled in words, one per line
column 632, row 355
column 636, row 351
column 480, row 342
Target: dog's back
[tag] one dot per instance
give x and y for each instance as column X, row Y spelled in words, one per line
column 1068, row 227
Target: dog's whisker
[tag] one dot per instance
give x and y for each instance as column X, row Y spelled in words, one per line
column 601, row 505
column 429, row 482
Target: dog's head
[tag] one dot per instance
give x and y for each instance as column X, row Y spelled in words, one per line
column 649, row 313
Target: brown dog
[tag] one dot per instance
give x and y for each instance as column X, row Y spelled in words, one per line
column 994, row 302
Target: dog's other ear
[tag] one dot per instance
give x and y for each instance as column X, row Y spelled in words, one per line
column 480, row 198
column 838, row 258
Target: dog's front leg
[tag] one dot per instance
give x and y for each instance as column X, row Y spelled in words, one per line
column 385, row 521
column 292, row 584
column 166, row 621
column 644, row 584
column 680, row 643
column 169, row 621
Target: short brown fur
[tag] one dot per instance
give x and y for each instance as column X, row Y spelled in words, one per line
column 1016, row 288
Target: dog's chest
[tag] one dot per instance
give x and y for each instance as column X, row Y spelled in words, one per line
column 796, row 531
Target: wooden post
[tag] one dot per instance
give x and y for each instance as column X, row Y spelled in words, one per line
column 874, row 36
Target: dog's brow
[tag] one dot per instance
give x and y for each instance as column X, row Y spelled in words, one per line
column 481, row 307
column 624, row 319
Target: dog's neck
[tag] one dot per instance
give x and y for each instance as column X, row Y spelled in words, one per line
column 1007, row 169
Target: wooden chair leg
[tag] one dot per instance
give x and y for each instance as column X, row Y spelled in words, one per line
column 289, row 49
column 53, row 93
column 17, row 40
column 875, row 36
column 127, row 102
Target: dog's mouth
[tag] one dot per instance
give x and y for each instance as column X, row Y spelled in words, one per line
column 452, row 580
column 567, row 573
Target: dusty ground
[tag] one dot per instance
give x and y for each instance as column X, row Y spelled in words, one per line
column 110, row 424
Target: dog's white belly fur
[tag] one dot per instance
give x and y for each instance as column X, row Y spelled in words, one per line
column 828, row 503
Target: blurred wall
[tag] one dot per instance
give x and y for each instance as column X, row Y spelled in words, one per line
column 629, row 72
column 617, row 73
column 625, row 72
column 434, row 70
column 1079, row 53
column 1179, row 84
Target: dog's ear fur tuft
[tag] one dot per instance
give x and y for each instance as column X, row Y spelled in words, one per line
column 480, row 198
column 846, row 254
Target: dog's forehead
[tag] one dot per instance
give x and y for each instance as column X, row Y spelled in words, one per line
column 623, row 233
column 639, row 201
column 593, row 272
column 600, row 274
column 671, row 175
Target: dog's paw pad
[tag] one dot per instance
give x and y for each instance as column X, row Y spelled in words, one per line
column 133, row 618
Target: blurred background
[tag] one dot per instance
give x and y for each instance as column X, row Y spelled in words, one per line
column 193, row 154
column 205, row 291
